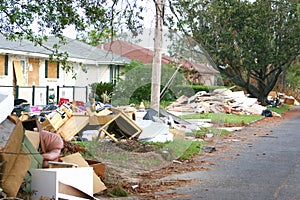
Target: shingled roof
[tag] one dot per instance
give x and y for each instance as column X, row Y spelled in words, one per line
column 145, row 55
column 133, row 51
column 77, row 50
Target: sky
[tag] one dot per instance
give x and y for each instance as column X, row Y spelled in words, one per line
column 148, row 14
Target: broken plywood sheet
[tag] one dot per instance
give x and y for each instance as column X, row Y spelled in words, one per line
column 34, row 138
column 16, row 162
column 77, row 159
column 72, row 126
column 36, row 161
column 18, row 71
column 99, row 168
column 12, row 179
column 101, row 117
column 56, row 121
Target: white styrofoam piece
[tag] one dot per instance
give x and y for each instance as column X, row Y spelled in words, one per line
column 162, row 138
column 151, row 129
column 90, row 134
column 6, row 105
column 45, row 182
column 154, row 131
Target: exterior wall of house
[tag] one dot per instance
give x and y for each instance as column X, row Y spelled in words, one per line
column 89, row 74
column 7, row 80
column 34, row 74
column 208, row 79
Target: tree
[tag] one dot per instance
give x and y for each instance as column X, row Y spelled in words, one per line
column 94, row 37
column 34, row 20
column 252, row 43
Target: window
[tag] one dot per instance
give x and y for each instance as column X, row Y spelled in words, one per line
column 51, row 69
column 114, row 73
column 3, row 64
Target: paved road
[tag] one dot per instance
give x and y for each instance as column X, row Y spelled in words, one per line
column 266, row 166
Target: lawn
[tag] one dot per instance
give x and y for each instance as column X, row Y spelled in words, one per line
column 229, row 119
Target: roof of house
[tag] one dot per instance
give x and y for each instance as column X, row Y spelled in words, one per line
column 133, row 51
column 76, row 50
column 144, row 55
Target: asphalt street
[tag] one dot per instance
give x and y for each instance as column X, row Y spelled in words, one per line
column 263, row 165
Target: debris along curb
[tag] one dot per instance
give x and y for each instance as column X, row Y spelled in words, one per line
column 226, row 101
column 33, row 138
column 40, row 141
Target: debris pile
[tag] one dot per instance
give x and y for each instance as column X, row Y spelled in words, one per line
column 226, row 101
column 32, row 146
column 37, row 144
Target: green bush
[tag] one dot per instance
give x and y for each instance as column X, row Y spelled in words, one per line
column 143, row 93
column 98, row 89
column 198, row 88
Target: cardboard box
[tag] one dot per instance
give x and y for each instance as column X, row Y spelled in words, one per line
column 99, row 168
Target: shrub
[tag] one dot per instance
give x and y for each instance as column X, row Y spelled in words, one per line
column 99, row 89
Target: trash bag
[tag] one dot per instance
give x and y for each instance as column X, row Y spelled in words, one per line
column 19, row 101
column 267, row 113
column 18, row 109
column 50, row 107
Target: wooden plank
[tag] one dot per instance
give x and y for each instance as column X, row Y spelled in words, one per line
column 19, row 73
column 56, row 121
column 36, row 161
column 33, row 137
column 12, row 147
column 72, row 126
column 125, row 124
column 2, row 67
column 33, row 73
column 52, row 69
column 13, row 179
column 103, row 129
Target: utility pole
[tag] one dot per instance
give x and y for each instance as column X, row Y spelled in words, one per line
column 156, row 65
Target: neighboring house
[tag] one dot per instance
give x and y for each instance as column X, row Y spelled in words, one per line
column 23, row 64
column 199, row 73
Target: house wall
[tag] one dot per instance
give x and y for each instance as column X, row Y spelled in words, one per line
column 7, row 79
column 35, row 68
column 208, row 79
